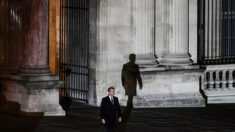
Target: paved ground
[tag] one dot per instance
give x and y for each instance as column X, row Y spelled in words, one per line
column 83, row 118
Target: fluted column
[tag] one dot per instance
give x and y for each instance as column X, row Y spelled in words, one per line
column 143, row 32
column 11, row 42
column 212, row 29
column 177, row 29
column 35, row 57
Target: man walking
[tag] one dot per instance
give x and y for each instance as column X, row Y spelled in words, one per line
column 108, row 111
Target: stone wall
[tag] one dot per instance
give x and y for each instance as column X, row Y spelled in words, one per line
column 113, row 45
column 115, row 40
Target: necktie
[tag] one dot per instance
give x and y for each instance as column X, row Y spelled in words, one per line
column 112, row 100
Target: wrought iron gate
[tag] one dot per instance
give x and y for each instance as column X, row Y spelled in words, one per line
column 74, row 45
column 216, row 32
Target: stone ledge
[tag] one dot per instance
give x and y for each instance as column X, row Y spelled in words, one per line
column 183, row 100
column 196, row 72
column 229, row 99
column 222, row 92
column 151, row 69
column 220, row 96
column 29, row 78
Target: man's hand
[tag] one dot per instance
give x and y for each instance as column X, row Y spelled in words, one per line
column 120, row 119
column 103, row 121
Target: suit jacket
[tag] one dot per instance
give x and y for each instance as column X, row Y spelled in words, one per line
column 109, row 111
column 130, row 75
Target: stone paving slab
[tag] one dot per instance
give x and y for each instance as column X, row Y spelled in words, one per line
column 85, row 118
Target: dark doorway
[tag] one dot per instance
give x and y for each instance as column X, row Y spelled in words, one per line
column 74, row 46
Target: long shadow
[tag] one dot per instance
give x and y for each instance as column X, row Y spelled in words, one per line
column 126, row 114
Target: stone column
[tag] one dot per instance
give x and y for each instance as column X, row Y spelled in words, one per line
column 160, row 29
column 35, row 57
column 213, row 29
column 34, row 88
column 177, row 29
column 143, row 33
column 11, row 36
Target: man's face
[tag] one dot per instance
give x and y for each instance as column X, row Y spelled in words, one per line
column 132, row 59
column 111, row 92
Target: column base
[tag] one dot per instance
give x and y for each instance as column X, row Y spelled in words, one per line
column 179, row 88
column 35, row 71
column 35, row 92
column 148, row 63
column 176, row 60
column 5, row 69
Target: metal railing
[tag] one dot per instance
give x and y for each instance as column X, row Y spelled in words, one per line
column 216, row 32
column 74, row 46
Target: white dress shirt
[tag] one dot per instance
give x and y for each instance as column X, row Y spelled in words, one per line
column 110, row 98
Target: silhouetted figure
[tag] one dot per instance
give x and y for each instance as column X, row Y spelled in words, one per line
column 130, row 75
column 109, row 109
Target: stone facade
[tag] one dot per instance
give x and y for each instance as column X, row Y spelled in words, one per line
column 163, row 35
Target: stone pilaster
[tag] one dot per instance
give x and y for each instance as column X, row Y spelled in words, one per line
column 11, row 49
column 213, row 28
column 143, row 33
column 177, row 31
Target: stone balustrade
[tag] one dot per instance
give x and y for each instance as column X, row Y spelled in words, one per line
column 217, row 82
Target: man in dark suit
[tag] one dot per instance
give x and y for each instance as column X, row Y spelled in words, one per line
column 108, row 111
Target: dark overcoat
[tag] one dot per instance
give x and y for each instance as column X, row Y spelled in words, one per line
column 130, row 75
column 109, row 111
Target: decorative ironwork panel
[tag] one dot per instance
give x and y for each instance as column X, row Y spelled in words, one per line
column 74, row 45
column 216, row 32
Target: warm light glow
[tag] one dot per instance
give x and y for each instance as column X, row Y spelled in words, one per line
column 54, row 21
